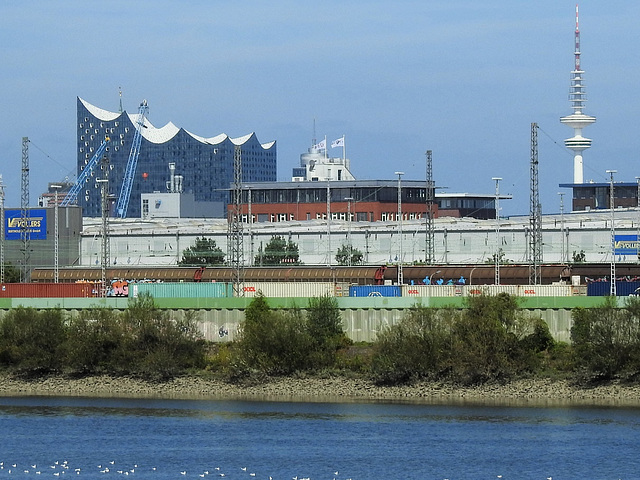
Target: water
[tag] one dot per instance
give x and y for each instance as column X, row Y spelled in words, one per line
column 182, row 439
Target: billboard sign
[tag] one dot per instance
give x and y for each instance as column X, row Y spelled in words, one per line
column 625, row 245
column 35, row 225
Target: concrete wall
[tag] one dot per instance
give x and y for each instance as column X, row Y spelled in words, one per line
column 363, row 318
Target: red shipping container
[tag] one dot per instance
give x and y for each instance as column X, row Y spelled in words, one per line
column 48, row 290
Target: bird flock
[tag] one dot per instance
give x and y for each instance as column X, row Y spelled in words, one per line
column 63, row 468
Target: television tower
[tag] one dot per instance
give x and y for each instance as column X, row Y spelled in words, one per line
column 577, row 120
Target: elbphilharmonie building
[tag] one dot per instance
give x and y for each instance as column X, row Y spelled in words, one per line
column 205, row 166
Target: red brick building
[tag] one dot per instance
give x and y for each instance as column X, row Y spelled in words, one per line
column 365, row 200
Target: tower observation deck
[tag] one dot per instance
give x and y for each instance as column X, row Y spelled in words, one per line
column 577, row 120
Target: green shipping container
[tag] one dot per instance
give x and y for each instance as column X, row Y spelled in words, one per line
column 182, row 290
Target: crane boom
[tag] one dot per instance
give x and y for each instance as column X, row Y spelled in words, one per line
column 132, row 163
column 73, row 192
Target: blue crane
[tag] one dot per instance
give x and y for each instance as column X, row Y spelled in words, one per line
column 72, row 195
column 132, row 163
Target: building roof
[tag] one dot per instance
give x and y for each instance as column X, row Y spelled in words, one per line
column 168, row 131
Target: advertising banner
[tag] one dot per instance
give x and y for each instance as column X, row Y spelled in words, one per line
column 35, row 225
column 625, row 245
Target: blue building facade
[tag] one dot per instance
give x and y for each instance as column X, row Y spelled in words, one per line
column 205, row 164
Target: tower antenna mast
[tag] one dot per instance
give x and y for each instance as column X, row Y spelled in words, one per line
column 535, row 214
column 577, row 120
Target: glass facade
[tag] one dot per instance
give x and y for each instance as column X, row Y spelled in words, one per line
column 206, row 168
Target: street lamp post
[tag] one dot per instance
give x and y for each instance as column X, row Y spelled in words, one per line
column 400, row 274
column 497, row 253
column 612, row 289
column 563, row 250
column 329, row 221
column 349, row 243
column 250, row 222
column 1, row 230
column 56, row 236
column 638, row 222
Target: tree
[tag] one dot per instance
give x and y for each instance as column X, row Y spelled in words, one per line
column 278, row 251
column 419, row 347
column 272, row 342
column 578, row 257
column 11, row 273
column 342, row 257
column 606, row 340
column 324, row 325
column 203, row 252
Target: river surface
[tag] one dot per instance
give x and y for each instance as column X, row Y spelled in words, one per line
column 52, row 437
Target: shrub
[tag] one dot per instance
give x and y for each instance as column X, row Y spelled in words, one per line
column 30, row 340
column 417, row 347
column 606, row 340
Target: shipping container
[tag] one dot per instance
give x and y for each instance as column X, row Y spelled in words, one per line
column 623, row 289
column 431, row 290
column 182, row 289
column 375, row 291
column 49, row 290
column 341, row 289
column 545, row 290
column 471, row 290
column 289, row 289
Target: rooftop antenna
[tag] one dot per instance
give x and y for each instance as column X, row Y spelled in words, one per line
column 120, row 92
column 577, row 120
column 313, row 140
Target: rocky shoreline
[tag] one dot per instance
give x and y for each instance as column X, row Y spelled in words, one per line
column 336, row 389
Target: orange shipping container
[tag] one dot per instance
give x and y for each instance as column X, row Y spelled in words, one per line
column 48, row 290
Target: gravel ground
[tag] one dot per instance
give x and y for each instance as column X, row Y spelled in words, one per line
column 533, row 392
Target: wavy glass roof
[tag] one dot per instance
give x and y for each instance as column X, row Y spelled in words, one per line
column 168, row 131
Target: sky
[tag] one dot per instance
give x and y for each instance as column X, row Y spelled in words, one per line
column 462, row 78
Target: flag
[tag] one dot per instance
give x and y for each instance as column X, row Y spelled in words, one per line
column 338, row 143
column 321, row 145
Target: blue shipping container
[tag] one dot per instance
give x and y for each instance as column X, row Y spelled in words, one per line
column 375, row 291
column 182, row 290
column 601, row 289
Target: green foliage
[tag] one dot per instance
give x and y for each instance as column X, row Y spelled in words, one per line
column 11, row 273
column 346, row 251
column 606, row 340
column 501, row 258
column 95, row 339
column 490, row 340
column 30, row 340
column 578, row 257
column 416, row 348
column 324, row 326
column 203, row 252
column 278, row 251
column 284, row 342
column 272, row 342
column 141, row 341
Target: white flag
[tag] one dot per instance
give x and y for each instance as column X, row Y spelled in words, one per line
column 338, row 143
column 321, row 145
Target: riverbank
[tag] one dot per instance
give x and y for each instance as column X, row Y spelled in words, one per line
column 337, row 389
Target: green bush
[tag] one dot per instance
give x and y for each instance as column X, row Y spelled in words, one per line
column 419, row 347
column 490, row 340
column 606, row 340
column 284, row 342
column 31, row 340
column 142, row 341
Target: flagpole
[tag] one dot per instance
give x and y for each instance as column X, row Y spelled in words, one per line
column 325, row 146
column 344, row 148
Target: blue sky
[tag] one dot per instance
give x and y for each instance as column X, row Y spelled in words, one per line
column 464, row 79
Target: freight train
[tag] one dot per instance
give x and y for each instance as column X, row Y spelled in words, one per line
column 484, row 274
column 308, row 281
